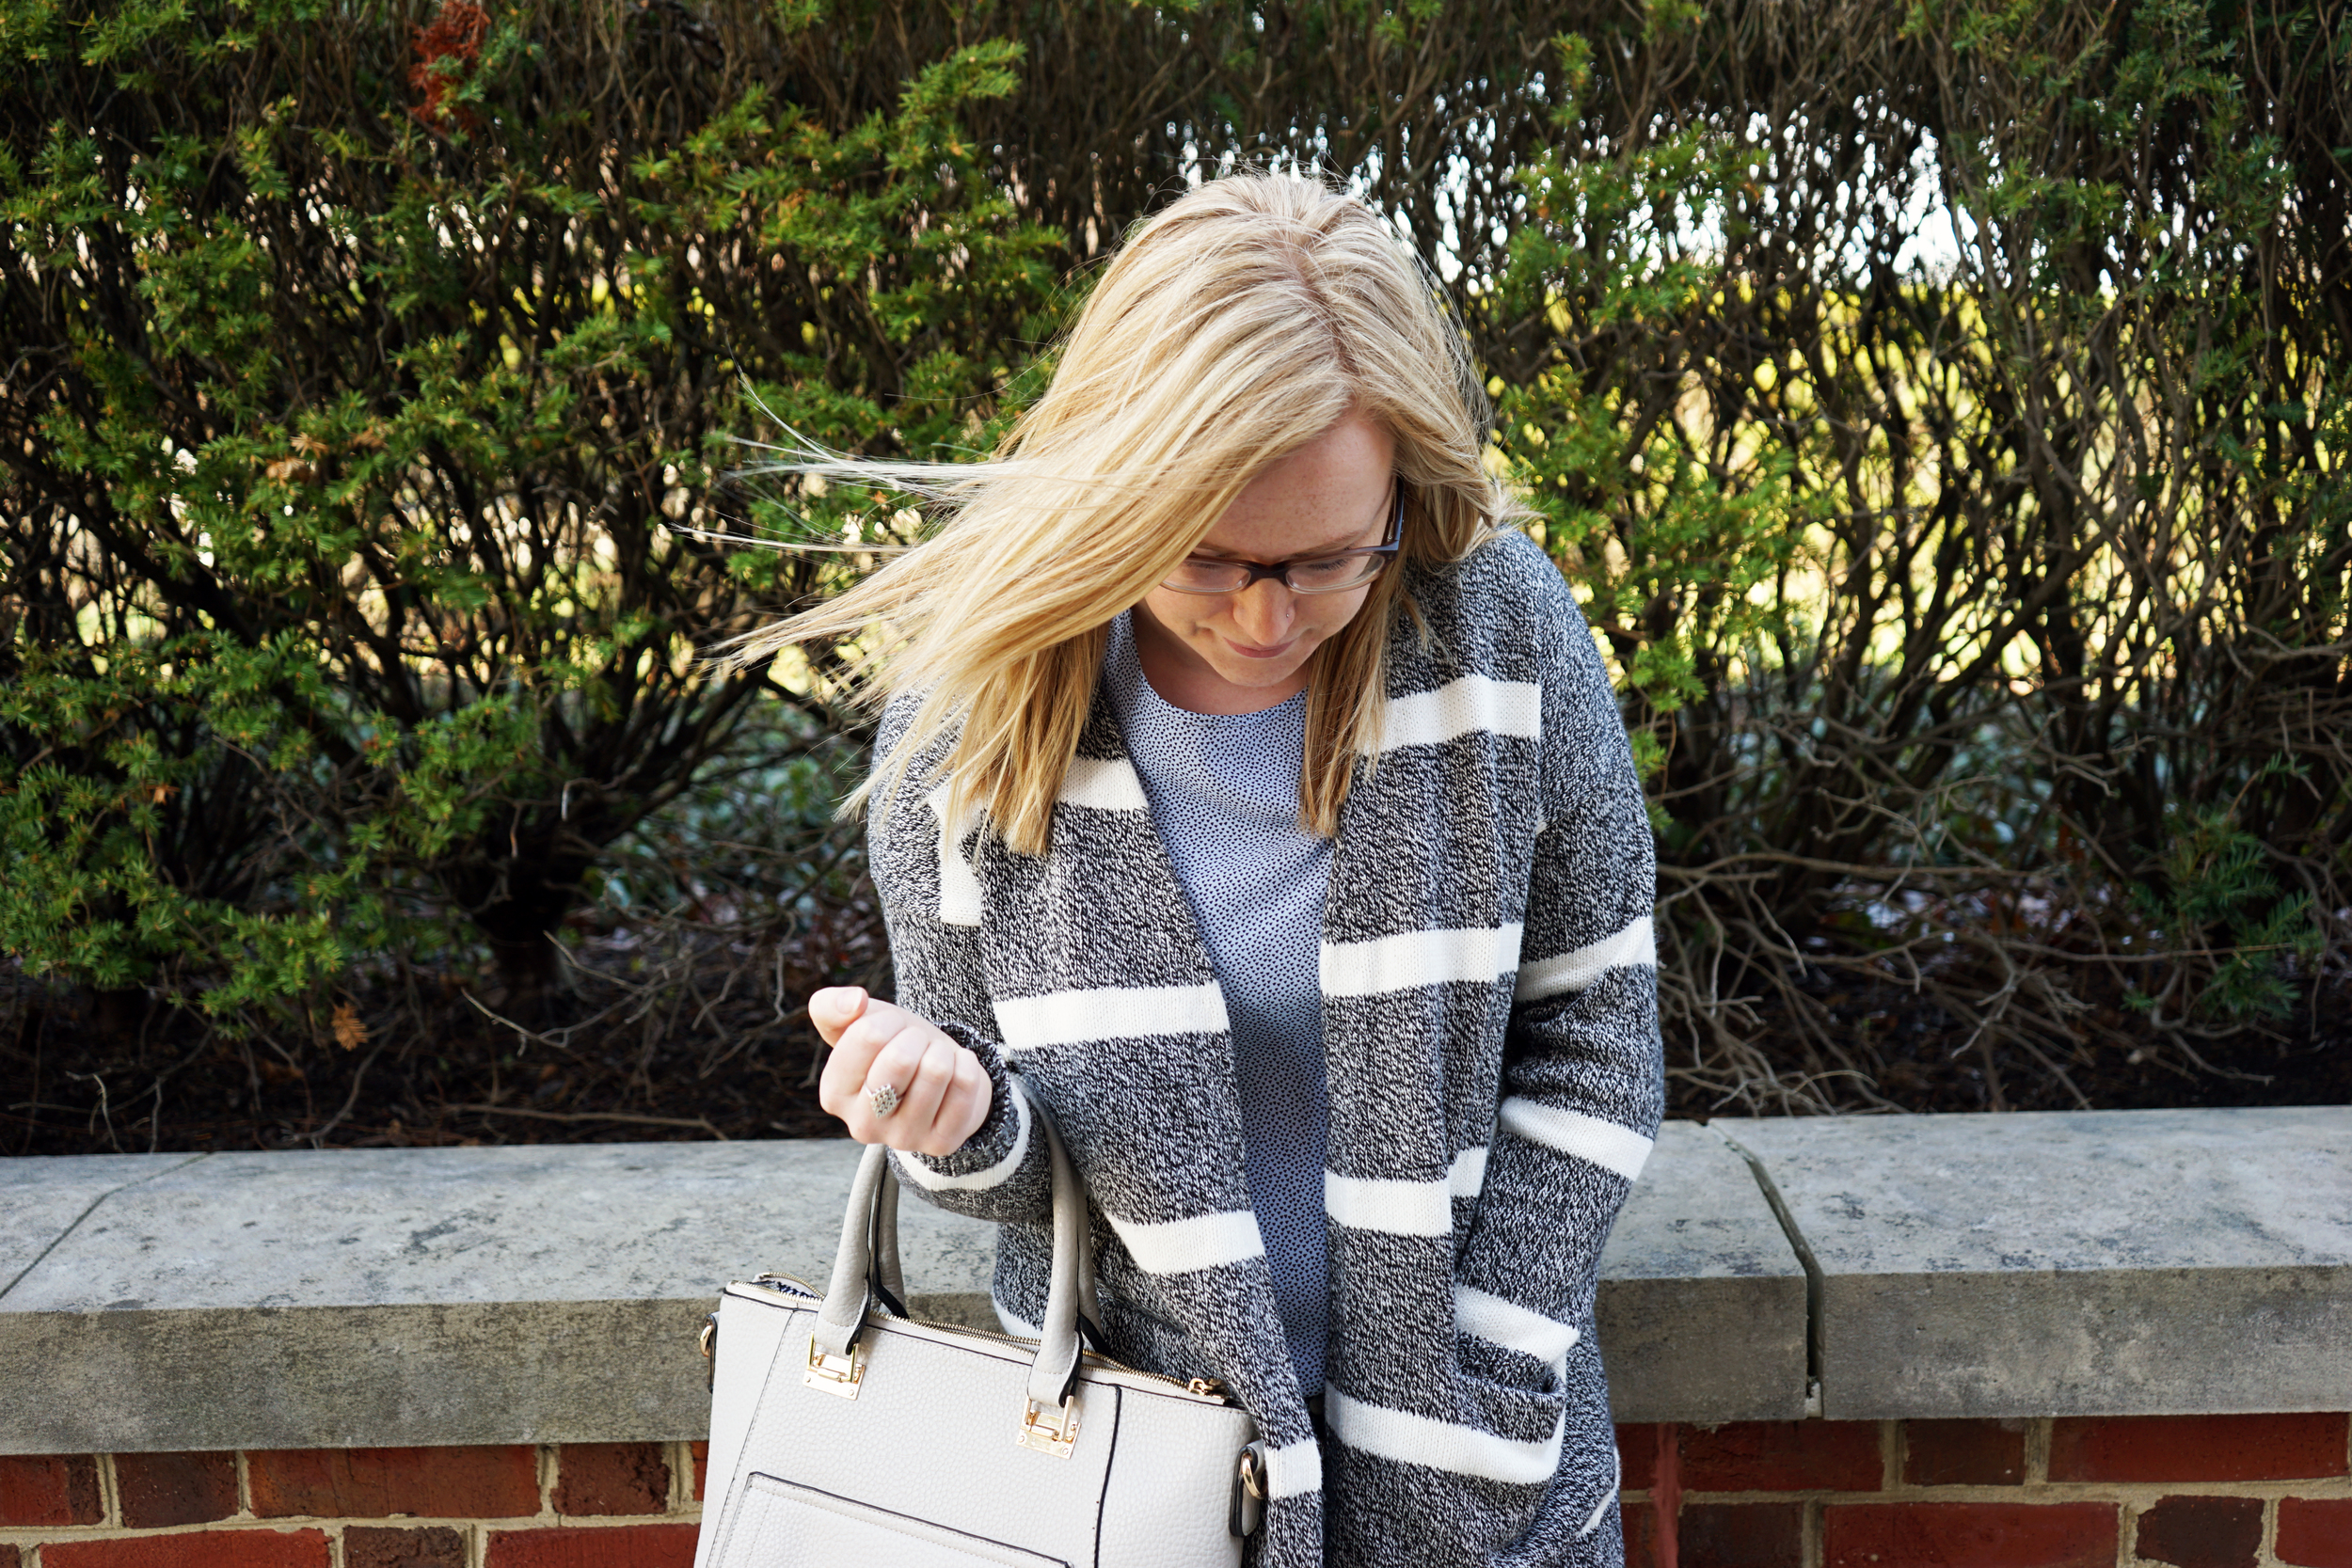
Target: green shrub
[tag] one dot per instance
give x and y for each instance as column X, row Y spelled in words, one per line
column 1936, row 407
column 363, row 369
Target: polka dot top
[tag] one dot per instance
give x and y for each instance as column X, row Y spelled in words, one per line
column 1224, row 794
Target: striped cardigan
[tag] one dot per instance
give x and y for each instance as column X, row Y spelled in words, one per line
column 1489, row 1014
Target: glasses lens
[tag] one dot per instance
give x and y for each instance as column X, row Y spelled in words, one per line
column 1329, row 577
column 1194, row 575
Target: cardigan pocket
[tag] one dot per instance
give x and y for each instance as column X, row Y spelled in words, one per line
column 1552, row 1436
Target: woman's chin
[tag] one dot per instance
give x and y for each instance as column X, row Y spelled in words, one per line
column 1260, row 675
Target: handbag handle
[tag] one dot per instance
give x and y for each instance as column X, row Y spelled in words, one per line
column 868, row 1256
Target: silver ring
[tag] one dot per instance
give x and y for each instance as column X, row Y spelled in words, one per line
column 884, row 1100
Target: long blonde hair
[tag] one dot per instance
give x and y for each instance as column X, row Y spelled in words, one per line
column 1232, row 327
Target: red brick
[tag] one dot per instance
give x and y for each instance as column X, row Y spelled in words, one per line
column 9, row 1558
column 1964, row 1453
column 1740, row 1535
column 49, row 1489
column 1969, row 1535
column 211, row 1548
column 2197, row 1448
column 1637, row 1457
column 2202, row 1532
column 1782, row 1456
column 702, row 1467
column 2315, row 1532
column 1641, row 1537
column 159, row 1489
column 594, row 1479
column 442, row 1484
column 375, row 1546
column 587, row 1546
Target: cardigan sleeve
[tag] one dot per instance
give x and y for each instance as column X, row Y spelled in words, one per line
column 1583, row 1080
column 931, row 906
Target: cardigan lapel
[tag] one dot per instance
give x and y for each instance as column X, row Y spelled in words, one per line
column 1109, row 1006
column 1421, row 935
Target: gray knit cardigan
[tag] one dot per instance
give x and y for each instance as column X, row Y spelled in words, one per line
column 1490, row 1022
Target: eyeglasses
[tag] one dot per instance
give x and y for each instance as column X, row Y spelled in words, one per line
column 1310, row 573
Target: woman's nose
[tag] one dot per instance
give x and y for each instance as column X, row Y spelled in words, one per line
column 1263, row 611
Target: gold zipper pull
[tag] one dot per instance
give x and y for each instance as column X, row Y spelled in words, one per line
column 1208, row 1387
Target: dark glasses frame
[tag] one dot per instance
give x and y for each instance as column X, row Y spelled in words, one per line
column 1257, row 573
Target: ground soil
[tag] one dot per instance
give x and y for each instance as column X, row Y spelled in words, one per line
column 705, row 1039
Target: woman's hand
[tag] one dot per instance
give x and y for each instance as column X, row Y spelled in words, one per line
column 942, row 1093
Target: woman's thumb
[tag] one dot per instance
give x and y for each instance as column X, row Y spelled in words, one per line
column 835, row 1009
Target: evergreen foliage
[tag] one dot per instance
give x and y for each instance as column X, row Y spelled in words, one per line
column 1937, row 408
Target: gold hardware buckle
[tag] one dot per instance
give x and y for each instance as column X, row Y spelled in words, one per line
column 1038, row 1430
column 835, row 1374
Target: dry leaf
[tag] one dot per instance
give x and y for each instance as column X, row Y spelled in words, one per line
column 311, row 446
column 291, row 469
column 349, row 1032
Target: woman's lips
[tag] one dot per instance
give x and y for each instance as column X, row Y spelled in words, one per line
column 1248, row 652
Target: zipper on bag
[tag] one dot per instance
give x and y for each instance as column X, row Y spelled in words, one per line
column 1209, row 1391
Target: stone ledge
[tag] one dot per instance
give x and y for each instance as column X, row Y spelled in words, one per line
column 2114, row 1263
column 551, row 1293
column 2063, row 1263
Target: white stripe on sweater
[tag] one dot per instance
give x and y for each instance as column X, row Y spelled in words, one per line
column 1468, row 1178
column 1473, row 703
column 959, row 888
column 1294, row 1470
column 1505, row 1322
column 1637, row 944
column 1435, row 1445
column 1014, row 1323
column 1186, row 1247
column 1413, row 958
column 1616, row 1484
column 1103, row 783
column 1403, row 1208
column 1399, row 1208
column 1112, row 1013
column 912, row 1168
column 1604, row 1143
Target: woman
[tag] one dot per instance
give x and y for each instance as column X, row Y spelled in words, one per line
column 1254, row 800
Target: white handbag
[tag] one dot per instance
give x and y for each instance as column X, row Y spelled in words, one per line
column 844, row 1431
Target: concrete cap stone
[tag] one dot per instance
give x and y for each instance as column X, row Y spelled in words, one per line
column 385, row 1297
column 1701, row 1303
column 389, row 1297
column 43, row 1199
column 2117, row 1263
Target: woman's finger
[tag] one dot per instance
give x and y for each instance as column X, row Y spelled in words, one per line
column 854, row 1048
column 919, row 1097
column 965, row 1106
column 894, row 1068
column 847, row 1069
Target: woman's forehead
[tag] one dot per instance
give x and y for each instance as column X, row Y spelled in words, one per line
column 1325, row 496
column 1283, row 536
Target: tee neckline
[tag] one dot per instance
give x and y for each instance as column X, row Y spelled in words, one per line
column 1127, row 663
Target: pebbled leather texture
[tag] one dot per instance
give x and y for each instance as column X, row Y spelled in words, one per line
column 780, row 1521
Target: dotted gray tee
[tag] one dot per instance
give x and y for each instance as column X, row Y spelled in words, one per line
column 1224, row 794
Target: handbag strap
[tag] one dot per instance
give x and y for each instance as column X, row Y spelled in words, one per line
column 867, row 1257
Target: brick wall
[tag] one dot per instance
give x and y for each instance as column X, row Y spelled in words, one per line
column 2192, row 1492
column 573, row 1505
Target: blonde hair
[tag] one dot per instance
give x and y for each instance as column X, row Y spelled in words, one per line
column 1233, row 326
